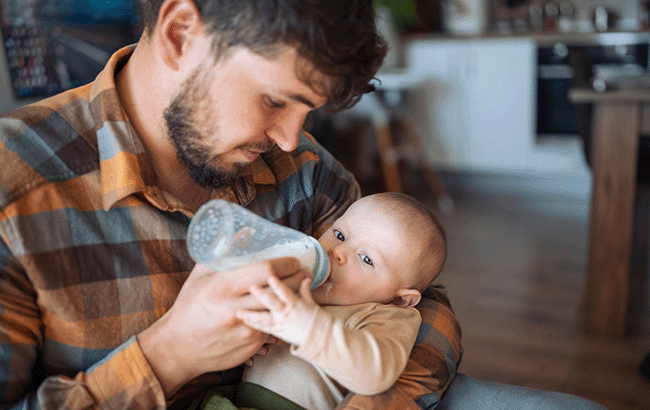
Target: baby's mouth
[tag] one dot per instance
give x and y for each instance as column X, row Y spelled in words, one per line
column 326, row 284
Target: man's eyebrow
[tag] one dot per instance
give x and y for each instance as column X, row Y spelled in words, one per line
column 302, row 99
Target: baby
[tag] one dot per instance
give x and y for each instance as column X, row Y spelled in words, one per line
column 355, row 332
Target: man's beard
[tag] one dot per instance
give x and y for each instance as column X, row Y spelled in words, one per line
column 188, row 136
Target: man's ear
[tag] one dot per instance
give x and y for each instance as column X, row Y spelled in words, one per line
column 178, row 22
column 407, row 298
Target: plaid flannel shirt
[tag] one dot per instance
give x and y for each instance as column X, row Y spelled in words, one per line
column 92, row 251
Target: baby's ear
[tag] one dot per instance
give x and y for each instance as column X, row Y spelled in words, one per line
column 406, row 298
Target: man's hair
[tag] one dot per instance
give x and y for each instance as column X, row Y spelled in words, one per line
column 420, row 222
column 338, row 37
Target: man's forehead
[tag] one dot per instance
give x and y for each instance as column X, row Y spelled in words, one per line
column 303, row 69
column 316, row 80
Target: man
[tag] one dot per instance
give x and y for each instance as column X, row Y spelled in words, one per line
column 101, row 305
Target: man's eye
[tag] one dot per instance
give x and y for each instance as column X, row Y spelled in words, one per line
column 338, row 235
column 366, row 259
column 274, row 104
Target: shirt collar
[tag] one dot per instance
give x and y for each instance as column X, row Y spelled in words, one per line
column 125, row 168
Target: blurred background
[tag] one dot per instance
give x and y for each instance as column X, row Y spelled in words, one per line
column 473, row 117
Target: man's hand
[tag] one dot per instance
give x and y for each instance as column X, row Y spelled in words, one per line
column 288, row 316
column 200, row 333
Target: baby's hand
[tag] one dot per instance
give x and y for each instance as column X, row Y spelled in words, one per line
column 289, row 314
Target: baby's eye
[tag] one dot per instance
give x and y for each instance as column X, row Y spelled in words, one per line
column 338, row 235
column 366, row 259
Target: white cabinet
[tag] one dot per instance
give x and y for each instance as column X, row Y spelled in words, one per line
column 475, row 106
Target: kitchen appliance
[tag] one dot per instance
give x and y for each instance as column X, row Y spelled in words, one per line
column 613, row 54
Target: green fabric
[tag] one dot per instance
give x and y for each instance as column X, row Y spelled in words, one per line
column 217, row 402
column 246, row 396
column 250, row 395
column 215, row 399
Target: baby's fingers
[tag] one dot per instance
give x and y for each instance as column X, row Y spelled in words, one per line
column 266, row 297
column 283, row 292
column 305, row 292
column 262, row 321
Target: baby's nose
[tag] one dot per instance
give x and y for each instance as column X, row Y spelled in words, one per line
column 337, row 254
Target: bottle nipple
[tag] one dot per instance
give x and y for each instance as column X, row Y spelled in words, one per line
column 321, row 265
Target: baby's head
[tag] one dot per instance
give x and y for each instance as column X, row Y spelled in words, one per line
column 385, row 248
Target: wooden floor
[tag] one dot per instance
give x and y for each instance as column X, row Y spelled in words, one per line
column 516, row 264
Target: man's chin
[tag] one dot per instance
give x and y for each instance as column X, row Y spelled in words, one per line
column 216, row 178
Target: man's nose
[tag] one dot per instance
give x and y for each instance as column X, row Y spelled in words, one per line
column 286, row 134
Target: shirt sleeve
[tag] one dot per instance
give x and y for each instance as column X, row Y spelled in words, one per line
column 367, row 352
column 123, row 379
column 432, row 364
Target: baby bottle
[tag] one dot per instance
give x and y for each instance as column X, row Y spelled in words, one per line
column 224, row 236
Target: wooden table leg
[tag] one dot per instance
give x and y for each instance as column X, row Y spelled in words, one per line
column 614, row 157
